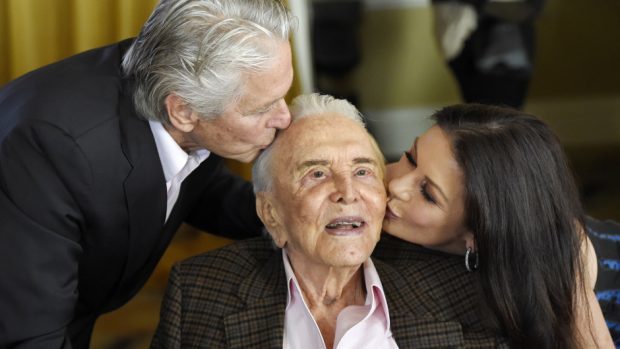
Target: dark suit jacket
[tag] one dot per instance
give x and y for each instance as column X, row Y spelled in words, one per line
column 83, row 200
column 235, row 297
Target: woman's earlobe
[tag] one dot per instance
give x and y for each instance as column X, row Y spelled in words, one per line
column 470, row 241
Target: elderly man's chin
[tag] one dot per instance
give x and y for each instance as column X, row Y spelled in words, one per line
column 349, row 251
column 347, row 259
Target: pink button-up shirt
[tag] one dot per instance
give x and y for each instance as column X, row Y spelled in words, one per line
column 365, row 326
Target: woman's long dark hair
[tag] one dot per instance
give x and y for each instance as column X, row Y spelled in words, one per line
column 522, row 205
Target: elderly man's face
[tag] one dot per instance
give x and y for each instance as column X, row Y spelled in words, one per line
column 328, row 199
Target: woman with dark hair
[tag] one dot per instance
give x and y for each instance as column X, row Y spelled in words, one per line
column 494, row 184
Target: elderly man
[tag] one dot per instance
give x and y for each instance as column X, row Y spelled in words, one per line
column 321, row 196
column 104, row 155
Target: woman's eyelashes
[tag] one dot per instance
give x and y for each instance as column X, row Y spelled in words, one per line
column 426, row 194
column 411, row 159
column 424, row 186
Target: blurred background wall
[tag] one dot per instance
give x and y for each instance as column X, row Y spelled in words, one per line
column 576, row 80
column 398, row 78
column 575, row 85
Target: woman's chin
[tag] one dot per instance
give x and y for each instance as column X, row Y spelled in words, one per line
column 390, row 230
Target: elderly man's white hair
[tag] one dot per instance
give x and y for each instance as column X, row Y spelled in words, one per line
column 303, row 106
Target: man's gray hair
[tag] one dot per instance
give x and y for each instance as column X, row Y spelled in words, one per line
column 200, row 50
column 302, row 106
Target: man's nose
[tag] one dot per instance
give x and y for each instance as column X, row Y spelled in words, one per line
column 344, row 190
column 281, row 117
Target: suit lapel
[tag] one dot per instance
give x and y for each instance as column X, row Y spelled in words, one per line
column 144, row 186
column 411, row 314
column 261, row 323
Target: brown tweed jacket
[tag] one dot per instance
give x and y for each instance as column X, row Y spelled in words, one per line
column 235, row 297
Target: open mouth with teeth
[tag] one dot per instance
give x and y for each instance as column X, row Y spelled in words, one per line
column 345, row 226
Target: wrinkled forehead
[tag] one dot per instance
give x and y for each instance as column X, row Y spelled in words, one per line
column 325, row 136
column 318, row 130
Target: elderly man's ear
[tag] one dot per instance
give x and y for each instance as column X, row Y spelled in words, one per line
column 268, row 214
column 180, row 114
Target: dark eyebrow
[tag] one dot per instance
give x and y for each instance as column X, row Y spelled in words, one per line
column 430, row 181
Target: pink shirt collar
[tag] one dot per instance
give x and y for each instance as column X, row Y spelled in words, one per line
column 366, row 326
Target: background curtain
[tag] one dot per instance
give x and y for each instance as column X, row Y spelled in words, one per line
column 34, row 33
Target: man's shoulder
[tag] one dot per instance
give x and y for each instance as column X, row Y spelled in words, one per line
column 240, row 258
column 442, row 276
column 403, row 254
column 225, row 275
column 74, row 94
column 439, row 281
column 104, row 60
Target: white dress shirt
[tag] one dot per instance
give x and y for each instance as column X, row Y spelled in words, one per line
column 176, row 163
column 366, row 326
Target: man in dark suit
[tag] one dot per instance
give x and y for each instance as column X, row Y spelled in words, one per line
column 321, row 196
column 104, row 155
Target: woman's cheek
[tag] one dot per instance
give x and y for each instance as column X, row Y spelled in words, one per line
column 419, row 216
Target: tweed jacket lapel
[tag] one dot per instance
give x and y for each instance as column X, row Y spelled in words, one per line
column 411, row 319
column 261, row 323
